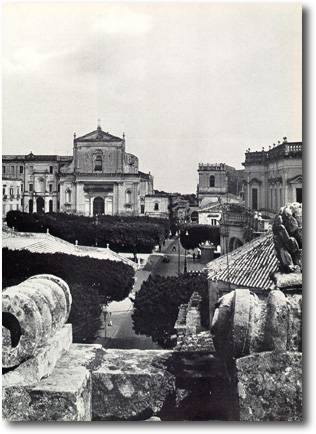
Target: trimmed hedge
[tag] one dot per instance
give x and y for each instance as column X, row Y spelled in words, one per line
column 157, row 303
column 198, row 234
column 91, row 281
column 124, row 234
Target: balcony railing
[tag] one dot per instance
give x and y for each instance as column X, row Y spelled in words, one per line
column 234, row 219
column 281, row 151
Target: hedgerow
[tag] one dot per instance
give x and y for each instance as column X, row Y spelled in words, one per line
column 129, row 234
column 91, row 281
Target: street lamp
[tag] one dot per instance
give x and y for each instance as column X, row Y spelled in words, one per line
column 179, row 271
column 185, row 255
column 96, row 231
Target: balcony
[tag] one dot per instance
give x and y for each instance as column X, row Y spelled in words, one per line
column 234, row 219
column 284, row 150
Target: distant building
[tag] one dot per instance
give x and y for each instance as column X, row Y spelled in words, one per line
column 99, row 178
column 156, row 205
column 179, row 208
column 273, row 178
column 215, row 181
column 210, row 215
column 11, row 195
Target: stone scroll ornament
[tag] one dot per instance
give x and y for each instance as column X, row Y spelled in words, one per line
column 31, row 313
column 287, row 236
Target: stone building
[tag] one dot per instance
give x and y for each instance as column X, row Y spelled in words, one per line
column 11, row 195
column 215, row 181
column 99, row 178
column 38, row 175
column 156, row 205
column 273, row 178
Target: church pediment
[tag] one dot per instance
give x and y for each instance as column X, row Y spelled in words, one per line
column 298, row 179
column 98, row 136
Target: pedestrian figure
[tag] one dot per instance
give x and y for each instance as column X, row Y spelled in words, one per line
column 174, row 249
column 193, row 256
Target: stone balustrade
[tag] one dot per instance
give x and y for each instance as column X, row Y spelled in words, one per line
column 32, row 312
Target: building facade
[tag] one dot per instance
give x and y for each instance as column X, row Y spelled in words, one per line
column 156, row 205
column 216, row 180
column 273, row 178
column 11, row 195
column 99, row 178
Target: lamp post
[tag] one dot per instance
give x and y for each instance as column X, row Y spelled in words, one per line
column 185, row 255
column 96, row 232
column 179, row 271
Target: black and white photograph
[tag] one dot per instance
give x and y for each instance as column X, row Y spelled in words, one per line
column 152, row 212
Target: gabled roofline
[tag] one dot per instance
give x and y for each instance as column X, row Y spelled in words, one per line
column 85, row 137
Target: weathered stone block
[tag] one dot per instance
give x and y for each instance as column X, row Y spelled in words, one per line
column 257, row 324
column 126, row 384
column 64, row 396
column 287, row 281
column 43, row 362
column 277, row 320
column 241, row 324
column 32, row 312
column 131, row 384
column 294, row 341
column 270, row 386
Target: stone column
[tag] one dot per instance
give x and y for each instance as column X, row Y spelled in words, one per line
column 115, row 198
column 285, row 186
column 91, row 206
column 135, row 199
column 46, row 203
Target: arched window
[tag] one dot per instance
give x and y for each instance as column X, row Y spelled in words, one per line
column 68, row 195
column 128, row 196
column 212, row 181
column 98, row 163
column 156, row 207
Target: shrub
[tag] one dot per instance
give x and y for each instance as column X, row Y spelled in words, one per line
column 197, row 234
column 157, row 305
column 130, row 234
column 91, row 281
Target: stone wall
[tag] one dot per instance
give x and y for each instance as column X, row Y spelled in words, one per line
column 261, row 343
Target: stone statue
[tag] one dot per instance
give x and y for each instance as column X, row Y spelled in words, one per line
column 287, row 237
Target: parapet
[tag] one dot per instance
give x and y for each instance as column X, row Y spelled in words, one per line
column 32, row 312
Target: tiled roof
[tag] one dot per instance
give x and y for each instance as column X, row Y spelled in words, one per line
column 249, row 266
column 46, row 243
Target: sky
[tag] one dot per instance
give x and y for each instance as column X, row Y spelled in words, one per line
column 186, row 82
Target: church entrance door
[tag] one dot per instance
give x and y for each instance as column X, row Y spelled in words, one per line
column 40, row 204
column 98, row 206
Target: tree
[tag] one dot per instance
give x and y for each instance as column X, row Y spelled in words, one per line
column 191, row 236
column 125, row 234
column 157, row 305
column 91, row 282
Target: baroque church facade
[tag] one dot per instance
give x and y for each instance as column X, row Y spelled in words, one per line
column 99, row 178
